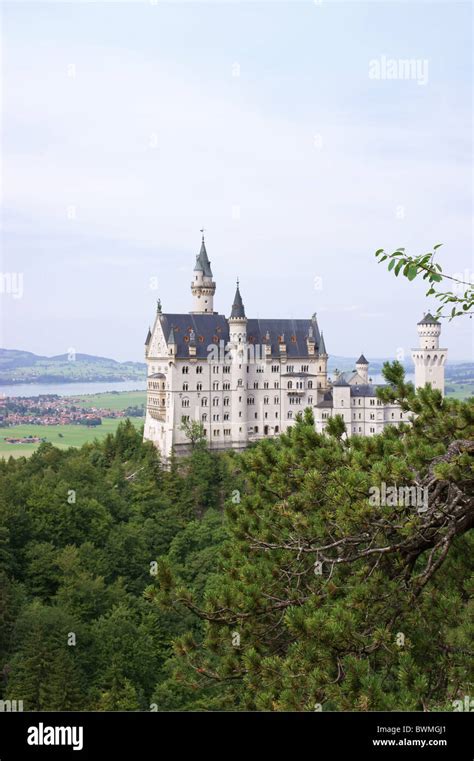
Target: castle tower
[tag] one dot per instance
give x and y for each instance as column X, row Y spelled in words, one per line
column 203, row 287
column 322, row 366
column 429, row 359
column 362, row 368
column 238, row 358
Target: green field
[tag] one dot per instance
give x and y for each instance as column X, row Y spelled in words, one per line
column 462, row 390
column 62, row 436
column 110, row 401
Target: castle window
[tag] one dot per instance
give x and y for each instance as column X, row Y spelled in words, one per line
column 255, row 430
column 215, row 418
column 310, row 399
column 215, row 401
column 204, row 401
column 266, row 400
column 199, row 386
column 304, row 368
column 226, row 416
column 290, row 368
column 215, row 386
column 276, row 400
column 255, row 385
column 265, row 385
column 274, row 368
column 276, row 384
column 185, row 403
column 215, row 369
column 256, row 416
column 204, row 417
column 310, row 384
column 185, row 386
column 199, row 369
column 185, row 418
column 185, row 370
column 290, row 384
column 290, row 415
column 276, row 429
column 226, row 431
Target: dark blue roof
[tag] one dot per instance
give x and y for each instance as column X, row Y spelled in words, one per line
column 295, row 333
column 212, row 328
column 206, row 327
column 364, row 390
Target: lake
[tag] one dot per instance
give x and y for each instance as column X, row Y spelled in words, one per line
column 70, row 389
column 79, row 389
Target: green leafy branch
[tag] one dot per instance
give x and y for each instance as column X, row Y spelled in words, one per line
column 453, row 304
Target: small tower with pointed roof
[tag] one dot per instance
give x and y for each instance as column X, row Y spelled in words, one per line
column 237, row 320
column 203, row 286
column 429, row 359
column 362, row 368
column 238, row 359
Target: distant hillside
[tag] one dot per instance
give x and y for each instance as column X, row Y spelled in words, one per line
column 26, row 367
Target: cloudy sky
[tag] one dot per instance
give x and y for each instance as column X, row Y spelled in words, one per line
column 128, row 126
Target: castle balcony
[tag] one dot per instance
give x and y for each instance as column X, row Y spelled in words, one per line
column 158, row 414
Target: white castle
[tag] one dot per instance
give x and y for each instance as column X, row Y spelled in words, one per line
column 246, row 379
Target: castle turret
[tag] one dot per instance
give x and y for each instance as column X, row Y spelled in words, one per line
column 362, row 368
column 203, row 287
column 429, row 359
column 238, row 357
column 322, row 363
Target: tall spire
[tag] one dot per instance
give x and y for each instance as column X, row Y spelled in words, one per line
column 238, row 309
column 203, row 286
column 322, row 345
column 202, row 260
